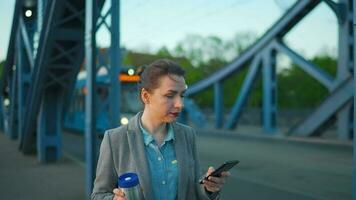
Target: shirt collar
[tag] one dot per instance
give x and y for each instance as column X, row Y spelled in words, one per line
column 148, row 138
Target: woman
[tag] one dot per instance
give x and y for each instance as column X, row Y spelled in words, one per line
column 161, row 151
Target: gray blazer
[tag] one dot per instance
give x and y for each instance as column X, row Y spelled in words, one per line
column 122, row 150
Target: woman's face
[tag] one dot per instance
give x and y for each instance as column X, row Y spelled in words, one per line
column 165, row 102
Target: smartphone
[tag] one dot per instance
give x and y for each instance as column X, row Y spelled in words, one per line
column 223, row 168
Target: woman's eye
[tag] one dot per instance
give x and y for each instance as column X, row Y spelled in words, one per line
column 169, row 96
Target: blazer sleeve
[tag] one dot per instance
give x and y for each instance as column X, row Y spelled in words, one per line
column 106, row 175
column 200, row 189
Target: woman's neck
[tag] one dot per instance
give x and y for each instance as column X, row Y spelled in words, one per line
column 154, row 127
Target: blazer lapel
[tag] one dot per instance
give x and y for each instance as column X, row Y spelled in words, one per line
column 137, row 148
column 180, row 147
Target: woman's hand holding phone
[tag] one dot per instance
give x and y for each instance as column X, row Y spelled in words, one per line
column 213, row 183
column 215, row 179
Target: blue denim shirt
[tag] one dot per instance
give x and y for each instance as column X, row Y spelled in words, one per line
column 162, row 164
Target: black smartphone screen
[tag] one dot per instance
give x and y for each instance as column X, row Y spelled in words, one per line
column 223, row 168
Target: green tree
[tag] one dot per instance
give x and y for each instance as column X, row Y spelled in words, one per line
column 2, row 64
column 208, row 55
column 297, row 89
column 163, row 52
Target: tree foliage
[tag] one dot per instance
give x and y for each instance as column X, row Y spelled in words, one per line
column 201, row 56
column 2, row 64
column 296, row 89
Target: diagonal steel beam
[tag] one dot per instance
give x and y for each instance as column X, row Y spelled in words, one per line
column 310, row 68
column 278, row 30
column 102, row 19
column 10, row 57
column 75, row 10
column 65, row 53
column 244, row 91
column 26, row 41
column 56, row 79
column 77, row 15
column 338, row 9
column 333, row 103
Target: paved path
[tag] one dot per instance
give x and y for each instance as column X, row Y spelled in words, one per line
column 281, row 169
column 23, row 178
column 270, row 168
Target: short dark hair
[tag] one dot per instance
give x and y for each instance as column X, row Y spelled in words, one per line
column 150, row 75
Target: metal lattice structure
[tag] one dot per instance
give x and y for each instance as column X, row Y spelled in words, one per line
column 45, row 56
column 262, row 59
column 46, row 51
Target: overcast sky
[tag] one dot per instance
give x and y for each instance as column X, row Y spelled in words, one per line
column 151, row 24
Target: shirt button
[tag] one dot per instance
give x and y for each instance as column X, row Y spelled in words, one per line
column 163, row 182
column 159, row 158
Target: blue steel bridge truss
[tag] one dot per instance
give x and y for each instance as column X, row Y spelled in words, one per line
column 261, row 58
column 47, row 49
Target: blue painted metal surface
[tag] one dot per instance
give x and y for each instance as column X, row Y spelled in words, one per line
column 244, row 92
column 56, row 56
column 218, row 104
column 10, row 57
column 8, row 78
column 278, row 30
column 337, row 99
column 49, row 128
column 269, row 77
column 193, row 113
column 24, row 65
column 91, row 10
column 115, row 65
column 310, row 68
column 56, row 64
column 13, row 123
column 345, row 67
column 354, row 113
column 273, row 39
column 338, row 9
column 94, row 20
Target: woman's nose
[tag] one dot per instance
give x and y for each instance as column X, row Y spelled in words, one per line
column 179, row 103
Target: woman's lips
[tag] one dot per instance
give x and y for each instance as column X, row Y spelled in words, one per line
column 174, row 114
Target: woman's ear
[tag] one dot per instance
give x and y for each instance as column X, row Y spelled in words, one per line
column 145, row 96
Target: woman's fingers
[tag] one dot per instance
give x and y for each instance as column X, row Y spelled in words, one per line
column 211, row 186
column 214, row 184
column 225, row 174
column 217, row 180
column 118, row 194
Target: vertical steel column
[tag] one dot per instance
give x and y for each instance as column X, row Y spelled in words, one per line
column 91, row 13
column 49, row 126
column 354, row 113
column 20, row 74
column 41, row 5
column 13, row 122
column 245, row 90
column 1, row 114
column 269, row 91
column 115, row 65
column 218, row 104
column 25, row 52
column 23, row 73
column 345, row 66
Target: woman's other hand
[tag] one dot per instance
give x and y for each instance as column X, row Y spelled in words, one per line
column 119, row 194
column 214, row 184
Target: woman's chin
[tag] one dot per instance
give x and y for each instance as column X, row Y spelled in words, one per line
column 170, row 119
